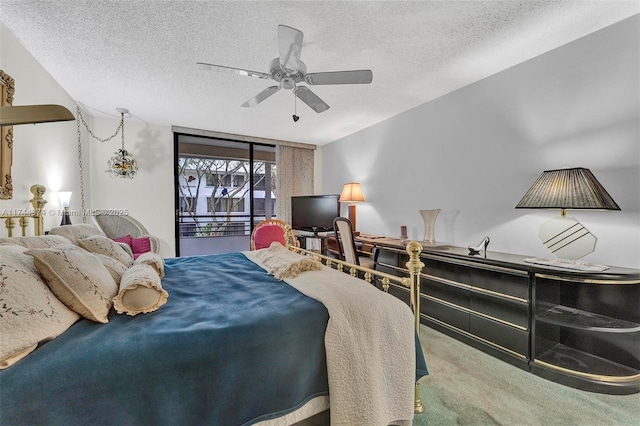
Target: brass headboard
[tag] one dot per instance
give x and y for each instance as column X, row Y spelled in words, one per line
column 23, row 217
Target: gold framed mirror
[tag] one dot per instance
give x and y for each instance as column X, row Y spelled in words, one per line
column 7, row 89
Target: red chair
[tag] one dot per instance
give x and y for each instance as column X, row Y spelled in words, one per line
column 270, row 230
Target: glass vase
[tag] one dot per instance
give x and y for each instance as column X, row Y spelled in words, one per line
column 429, row 218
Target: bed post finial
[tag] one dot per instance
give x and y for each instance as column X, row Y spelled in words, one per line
column 38, row 203
column 415, row 265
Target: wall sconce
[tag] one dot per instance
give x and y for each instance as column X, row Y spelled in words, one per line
column 351, row 193
column 65, row 199
column 575, row 188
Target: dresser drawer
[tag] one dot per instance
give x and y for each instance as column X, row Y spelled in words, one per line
column 401, row 293
column 512, row 312
column 446, row 270
column 445, row 313
column 391, row 270
column 449, row 293
column 500, row 281
column 507, row 337
column 389, row 257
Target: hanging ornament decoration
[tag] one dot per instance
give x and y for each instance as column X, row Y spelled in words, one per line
column 122, row 164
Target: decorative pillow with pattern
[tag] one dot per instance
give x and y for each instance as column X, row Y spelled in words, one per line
column 108, row 247
column 29, row 312
column 115, row 268
column 140, row 291
column 76, row 232
column 78, row 279
column 42, row 241
column 152, row 259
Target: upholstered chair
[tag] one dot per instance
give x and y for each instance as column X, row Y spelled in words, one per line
column 270, row 230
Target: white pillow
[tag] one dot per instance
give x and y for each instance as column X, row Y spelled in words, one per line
column 105, row 245
column 75, row 232
column 30, row 312
column 78, row 278
column 115, row 268
column 140, row 291
column 152, row 259
column 37, row 242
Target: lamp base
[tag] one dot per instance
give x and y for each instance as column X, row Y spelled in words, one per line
column 567, row 238
column 352, row 218
column 66, row 218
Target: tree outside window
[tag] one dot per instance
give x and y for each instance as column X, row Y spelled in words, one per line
column 227, row 185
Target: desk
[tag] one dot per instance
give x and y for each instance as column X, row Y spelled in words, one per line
column 365, row 244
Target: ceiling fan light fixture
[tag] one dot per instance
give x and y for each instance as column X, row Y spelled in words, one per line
column 287, row 84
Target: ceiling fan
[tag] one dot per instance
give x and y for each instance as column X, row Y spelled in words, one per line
column 288, row 70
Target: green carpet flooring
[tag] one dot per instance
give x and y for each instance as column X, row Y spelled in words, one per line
column 469, row 387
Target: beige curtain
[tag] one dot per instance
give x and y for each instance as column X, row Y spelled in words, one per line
column 294, row 176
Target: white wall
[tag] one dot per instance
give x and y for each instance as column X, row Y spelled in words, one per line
column 44, row 153
column 477, row 150
column 47, row 154
column 149, row 197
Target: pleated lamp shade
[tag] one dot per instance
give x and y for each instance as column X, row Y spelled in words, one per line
column 575, row 188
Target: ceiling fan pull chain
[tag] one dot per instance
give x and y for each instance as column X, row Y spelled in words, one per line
column 295, row 106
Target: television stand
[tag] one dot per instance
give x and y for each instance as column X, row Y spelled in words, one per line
column 314, row 241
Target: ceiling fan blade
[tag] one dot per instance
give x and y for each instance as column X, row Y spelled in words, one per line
column 340, row 77
column 290, row 45
column 261, row 96
column 230, row 70
column 308, row 97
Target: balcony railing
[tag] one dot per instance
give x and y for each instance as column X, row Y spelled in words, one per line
column 220, row 225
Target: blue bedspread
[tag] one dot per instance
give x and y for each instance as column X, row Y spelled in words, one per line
column 229, row 346
column 232, row 346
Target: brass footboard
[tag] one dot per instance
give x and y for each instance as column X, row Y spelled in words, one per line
column 10, row 216
column 414, row 265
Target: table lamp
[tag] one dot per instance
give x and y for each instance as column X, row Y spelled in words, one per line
column 351, row 193
column 65, row 199
column 574, row 188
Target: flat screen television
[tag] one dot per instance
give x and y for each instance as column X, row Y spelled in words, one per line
column 314, row 212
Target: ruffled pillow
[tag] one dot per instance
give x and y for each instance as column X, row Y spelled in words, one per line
column 78, row 279
column 108, row 247
column 140, row 291
column 115, row 268
column 29, row 313
column 76, row 232
column 152, row 259
column 42, row 241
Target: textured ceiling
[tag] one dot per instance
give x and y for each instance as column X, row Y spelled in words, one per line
column 142, row 55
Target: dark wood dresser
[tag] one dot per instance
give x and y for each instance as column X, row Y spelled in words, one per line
column 578, row 328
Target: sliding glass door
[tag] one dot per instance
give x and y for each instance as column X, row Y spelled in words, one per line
column 223, row 188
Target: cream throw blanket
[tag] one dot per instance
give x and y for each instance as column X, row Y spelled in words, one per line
column 370, row 346
column 282, row 263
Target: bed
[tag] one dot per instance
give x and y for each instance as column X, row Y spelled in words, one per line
column 233, row 345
